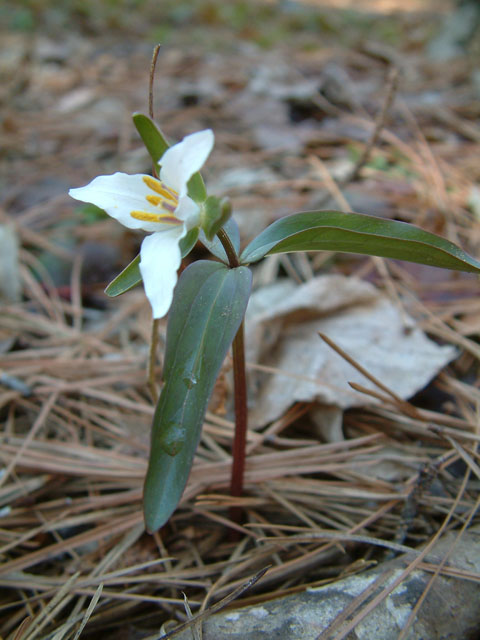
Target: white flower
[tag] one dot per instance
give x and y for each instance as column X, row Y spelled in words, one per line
column 161, row 207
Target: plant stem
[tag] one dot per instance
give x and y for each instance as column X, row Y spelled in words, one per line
column 240, row 439
column 229, row 248
column 240, row 392
column 151, row 361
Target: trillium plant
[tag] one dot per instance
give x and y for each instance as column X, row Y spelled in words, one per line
column 207, row 304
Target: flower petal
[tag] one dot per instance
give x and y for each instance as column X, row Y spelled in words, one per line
column 119, row 195
column 188, row 211
column 160, row 258
column 180, row 162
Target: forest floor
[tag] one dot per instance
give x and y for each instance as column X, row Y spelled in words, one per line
column 294, row 93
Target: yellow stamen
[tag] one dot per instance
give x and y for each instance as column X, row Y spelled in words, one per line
column 155, row 200
column 145, row 216
column 160, row 188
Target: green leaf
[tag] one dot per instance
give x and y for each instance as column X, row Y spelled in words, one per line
column 215, row 246
column 208, row 306
column 358, row 233
column 131, row 275
column 151, row 135
column 126, row 279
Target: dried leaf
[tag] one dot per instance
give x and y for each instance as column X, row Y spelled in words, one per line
column 283, row 322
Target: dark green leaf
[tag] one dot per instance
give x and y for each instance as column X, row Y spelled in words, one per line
column 208, row 307
column 357, row 233
column 125, row 280
column 151, row 135
column 215, row 246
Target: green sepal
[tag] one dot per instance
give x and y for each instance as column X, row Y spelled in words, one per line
column 156, row 145
column 208, row 306
column 126, row 279
column 131, row 275
column 151, row 135
column 189, row 241
column 215, row 246
column 215, row 214
column 357, row 233
column 196, row 188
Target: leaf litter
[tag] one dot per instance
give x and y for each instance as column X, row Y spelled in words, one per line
column 76, row 411
column 283, row 324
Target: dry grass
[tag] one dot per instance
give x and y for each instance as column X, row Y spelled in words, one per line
column 76, row 411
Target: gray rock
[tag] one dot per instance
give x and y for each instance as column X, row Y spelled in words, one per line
column 450, row 609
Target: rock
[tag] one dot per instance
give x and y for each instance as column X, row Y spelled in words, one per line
column 450, row 609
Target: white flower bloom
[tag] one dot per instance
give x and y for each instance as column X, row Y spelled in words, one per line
column 161, row 207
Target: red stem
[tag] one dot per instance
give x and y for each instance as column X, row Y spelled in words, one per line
column 240, row 385
column 240, row 393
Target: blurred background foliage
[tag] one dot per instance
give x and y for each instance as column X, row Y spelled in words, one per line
column 264, row 23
